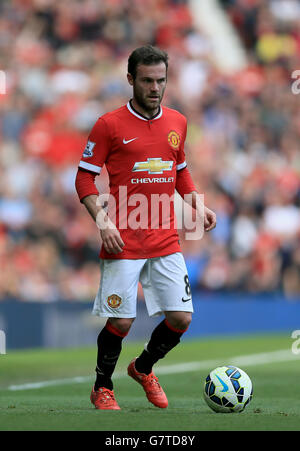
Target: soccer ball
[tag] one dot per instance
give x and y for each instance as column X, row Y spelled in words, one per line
column 227, row 389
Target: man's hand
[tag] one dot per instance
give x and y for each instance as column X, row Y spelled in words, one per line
column 109, row 233
column 112, row 241
column 210, row 219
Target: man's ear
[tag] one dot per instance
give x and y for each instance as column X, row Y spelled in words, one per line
column 130, row 79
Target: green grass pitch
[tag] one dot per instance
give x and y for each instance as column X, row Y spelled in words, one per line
column 65, row 405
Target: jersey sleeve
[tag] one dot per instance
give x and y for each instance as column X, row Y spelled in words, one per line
column 85, row 183
column 97, row 148
column 181, row 163
column 184, row 182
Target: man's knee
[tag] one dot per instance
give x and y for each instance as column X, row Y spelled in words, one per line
column 179, row 320
column 122, row 324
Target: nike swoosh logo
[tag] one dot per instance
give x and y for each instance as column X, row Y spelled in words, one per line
column 186, row 300
column 225, row 386
column 127, row 141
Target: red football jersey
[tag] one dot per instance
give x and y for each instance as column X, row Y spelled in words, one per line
column 142, row 157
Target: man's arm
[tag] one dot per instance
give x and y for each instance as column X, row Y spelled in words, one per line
column 184, row 186
column 87, row 190
column 110, row 235
column 195, row 201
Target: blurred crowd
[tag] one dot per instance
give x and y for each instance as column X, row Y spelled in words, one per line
column 65, row 64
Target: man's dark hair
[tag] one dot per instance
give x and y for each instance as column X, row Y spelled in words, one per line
column 147, row 54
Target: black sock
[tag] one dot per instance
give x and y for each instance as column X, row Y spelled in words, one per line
column 162, row 340
column 109, row 348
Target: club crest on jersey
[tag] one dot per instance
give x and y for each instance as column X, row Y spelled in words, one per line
column 114, row 301
column 174, row 139
column 153, row 166
column 88, row 151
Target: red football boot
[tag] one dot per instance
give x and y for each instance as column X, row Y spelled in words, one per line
column 150, row 384
column 104, row 399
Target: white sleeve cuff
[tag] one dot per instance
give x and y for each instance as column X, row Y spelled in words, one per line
column 181, row 166
column 90, row 167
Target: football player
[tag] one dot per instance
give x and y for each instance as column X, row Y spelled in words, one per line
column 142, row 146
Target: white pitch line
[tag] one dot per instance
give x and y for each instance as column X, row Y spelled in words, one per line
column 243, row 360
column 50, row 383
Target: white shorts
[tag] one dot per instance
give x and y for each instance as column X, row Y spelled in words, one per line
column 164, row 281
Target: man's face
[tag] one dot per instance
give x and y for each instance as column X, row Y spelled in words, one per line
column 149, row 85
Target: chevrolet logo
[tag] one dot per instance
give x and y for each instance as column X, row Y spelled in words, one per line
column 153, row 166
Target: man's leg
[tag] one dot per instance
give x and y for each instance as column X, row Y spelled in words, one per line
column 167, row 290
column 109, row 348
column 164, row 338
column 115, row 300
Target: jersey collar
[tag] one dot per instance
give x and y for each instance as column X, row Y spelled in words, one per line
column 140, row 116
